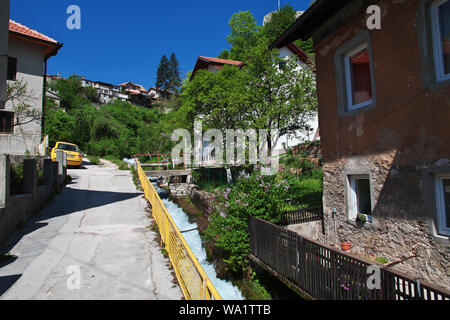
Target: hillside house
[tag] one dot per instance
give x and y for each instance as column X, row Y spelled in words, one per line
column 213, row 64
column 106, row 92
column 27, row 55
column 136, row 93
column 384, row 97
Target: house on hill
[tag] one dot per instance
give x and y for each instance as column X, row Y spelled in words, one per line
column 384, row 117
column 213, row 64
column 136, row 93
column 27, row 55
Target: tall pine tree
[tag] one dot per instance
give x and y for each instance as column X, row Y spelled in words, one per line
column 163, row 73
column 174, row 81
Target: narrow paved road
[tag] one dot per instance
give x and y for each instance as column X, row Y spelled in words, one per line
column 92, row 241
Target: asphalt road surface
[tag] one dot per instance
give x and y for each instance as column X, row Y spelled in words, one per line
column 92, row 241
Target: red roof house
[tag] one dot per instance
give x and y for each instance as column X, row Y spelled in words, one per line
column 213, row 64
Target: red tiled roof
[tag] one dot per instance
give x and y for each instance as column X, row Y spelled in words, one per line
column 223, row 61
column 141, row 88
column 205, row 62
column 23, row 30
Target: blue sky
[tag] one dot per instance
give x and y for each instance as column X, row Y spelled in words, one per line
column 123, row 41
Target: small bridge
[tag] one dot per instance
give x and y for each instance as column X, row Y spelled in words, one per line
column 166, row 168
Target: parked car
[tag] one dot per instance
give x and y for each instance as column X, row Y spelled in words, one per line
column 74, row 155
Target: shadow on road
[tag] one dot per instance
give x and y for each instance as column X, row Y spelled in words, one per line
column 7, row 282
column 68, row 202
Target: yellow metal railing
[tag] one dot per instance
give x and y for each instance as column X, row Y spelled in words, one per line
column 193, row 280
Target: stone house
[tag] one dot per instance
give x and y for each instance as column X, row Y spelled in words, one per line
column 384, row 113
column 27, row 55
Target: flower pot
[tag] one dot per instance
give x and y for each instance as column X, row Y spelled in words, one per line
column 345, row 246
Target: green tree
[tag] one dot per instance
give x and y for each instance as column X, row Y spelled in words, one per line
column 219, row 98
column 278, row 22
column 163, row 73
column 258, row 96
column 72, row 93
column 281, row 20
column 283, row 99
column 245, row 34
column 174, row 80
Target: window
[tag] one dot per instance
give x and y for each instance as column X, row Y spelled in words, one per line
column 360, row 200
column 6, row 122
column 442, row 186
column 12, row 69
column 440, row 27
column 68, row 147
column 355, row 75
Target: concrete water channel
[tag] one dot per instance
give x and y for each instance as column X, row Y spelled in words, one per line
column 225, row 288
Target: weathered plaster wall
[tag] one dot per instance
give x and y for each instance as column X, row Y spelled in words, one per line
column 396, row 142
column 30, row 62
column 4, row 23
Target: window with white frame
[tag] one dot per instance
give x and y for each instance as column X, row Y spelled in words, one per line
column 440, row 27
column 358, row 77
column 360, row 198
column 355, row 75
column 442, row 187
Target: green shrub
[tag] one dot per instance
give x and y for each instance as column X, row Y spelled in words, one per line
column 16, row 178
column 252, row 195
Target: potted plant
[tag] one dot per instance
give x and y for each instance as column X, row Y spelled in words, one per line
column 361, row 218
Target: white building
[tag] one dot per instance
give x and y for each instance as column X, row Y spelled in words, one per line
column 298, row 137
column 27, row 55
column 106, row 92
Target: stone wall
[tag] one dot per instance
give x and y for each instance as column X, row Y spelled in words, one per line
column 200, row 198
column 14, row 209
column 403, row 224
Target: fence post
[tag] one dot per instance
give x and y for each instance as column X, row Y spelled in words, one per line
column 4, row 180
column 29, row 177
column 48, row 172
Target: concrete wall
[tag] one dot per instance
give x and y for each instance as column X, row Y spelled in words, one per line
column 4, row 27
column 397, row 144
column 30, row 62
column 14, row 209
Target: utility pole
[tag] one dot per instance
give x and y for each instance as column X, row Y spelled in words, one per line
column 279, row 6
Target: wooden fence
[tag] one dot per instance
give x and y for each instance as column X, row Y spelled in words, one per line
column 326, row 273
column 302, row 216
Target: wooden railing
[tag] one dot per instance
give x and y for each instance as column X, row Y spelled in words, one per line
column 323, row 272
column 301, row 216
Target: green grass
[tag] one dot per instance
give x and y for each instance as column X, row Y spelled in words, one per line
column 94, row 159
column 122, row 165
column 382, row 260
column 253, row 289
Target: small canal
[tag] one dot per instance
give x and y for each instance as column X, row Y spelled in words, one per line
column 225, row 288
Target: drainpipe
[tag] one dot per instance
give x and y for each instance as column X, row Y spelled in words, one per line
column 44, row 99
